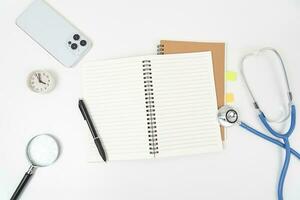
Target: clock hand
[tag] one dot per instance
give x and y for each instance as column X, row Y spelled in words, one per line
column 40, row 79
column 38, row 75
column 42, row 82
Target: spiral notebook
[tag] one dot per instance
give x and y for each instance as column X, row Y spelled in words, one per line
column 218, row 56
column 152, row 106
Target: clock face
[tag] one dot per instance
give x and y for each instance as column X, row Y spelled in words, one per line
column 41, row 82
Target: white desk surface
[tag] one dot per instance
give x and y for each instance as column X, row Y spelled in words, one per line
column 247, row 169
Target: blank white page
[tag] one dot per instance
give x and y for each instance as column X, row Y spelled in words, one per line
column 185, row 104
column 114, row 95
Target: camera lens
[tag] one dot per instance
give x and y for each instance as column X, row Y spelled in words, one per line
column 76, row 37
column 82, row 42
column 74, row 46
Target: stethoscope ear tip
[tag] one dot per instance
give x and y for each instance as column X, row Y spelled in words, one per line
column 227, row 116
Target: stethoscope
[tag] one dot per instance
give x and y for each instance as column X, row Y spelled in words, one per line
column 228, row 116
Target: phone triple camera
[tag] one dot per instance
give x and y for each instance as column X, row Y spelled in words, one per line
column 77, row 42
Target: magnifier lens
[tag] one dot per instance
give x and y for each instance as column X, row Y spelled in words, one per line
column 42, row 150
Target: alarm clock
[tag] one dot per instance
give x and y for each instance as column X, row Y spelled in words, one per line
column 41, row 81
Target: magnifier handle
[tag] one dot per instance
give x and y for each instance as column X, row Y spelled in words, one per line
column 23, row 183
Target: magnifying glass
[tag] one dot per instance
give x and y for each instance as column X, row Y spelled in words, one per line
column 42, row 151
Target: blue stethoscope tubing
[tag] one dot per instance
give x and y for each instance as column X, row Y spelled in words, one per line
column 285, row 144
column 282, row 139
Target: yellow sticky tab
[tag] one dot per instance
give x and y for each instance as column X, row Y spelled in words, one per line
column 229, row 98
column 231, row 76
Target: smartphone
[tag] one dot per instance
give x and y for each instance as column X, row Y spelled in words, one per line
column 54, row 33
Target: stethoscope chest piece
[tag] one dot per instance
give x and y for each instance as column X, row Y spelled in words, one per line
column 227, row 116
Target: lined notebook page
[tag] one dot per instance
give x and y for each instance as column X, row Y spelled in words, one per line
column 185, row 104
column 114, row 94
column 184, row 99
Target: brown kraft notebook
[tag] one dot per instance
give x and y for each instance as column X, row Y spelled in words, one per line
column 218, row 54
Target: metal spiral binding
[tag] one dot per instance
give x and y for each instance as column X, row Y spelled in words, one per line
column 160, row 49
column 150, row 107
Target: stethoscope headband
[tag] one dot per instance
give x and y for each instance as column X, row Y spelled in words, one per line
column 289, row 93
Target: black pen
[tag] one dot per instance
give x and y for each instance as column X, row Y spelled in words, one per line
column 88, row 119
